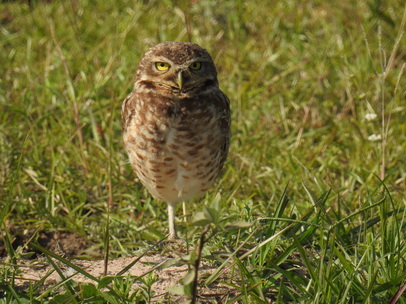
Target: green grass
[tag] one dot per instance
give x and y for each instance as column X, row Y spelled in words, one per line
column 323, row 187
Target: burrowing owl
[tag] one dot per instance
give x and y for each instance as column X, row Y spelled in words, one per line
column 176, row 124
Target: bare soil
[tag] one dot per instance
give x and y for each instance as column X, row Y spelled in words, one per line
column 67, row 244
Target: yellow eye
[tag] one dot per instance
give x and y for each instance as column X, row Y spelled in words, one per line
column 161, row 66
column 195, row 66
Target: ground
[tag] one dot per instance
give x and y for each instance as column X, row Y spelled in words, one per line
column 37, row 268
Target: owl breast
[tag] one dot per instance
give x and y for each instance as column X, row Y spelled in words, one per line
column 177, row 145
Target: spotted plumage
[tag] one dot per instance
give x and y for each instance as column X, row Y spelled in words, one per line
column 176, row 123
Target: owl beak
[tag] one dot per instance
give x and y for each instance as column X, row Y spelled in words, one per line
column 179, row 80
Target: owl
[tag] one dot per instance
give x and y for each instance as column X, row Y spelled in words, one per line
column 176, row 124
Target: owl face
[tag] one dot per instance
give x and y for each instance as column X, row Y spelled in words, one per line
column 177, row 66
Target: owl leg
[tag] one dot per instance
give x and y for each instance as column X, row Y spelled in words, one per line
column 171, row 218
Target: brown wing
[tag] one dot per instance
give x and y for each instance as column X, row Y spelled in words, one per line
column 127, row 110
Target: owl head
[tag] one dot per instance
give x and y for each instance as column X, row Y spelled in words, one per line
column 177, row 66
